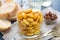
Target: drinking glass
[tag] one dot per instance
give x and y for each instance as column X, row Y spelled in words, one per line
column 35, row 4
column 46, row 3
column 29, row 23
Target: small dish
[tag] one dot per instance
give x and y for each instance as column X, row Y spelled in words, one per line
column 50, row 17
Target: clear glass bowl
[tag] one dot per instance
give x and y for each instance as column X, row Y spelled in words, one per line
column 29, row 27
column 50, row 22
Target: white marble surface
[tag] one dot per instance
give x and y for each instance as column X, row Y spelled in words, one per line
column 13, row 32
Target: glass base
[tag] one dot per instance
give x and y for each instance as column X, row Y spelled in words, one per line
column 30, row 36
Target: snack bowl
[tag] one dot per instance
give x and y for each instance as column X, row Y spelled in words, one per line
column 50, row 18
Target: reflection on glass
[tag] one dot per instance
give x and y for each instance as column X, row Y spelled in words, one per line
column 46, row 3
column 36, row 38
column 35, row 4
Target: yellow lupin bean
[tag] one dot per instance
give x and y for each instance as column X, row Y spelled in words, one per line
column 36, row 16
column 23, row 24
column 28, row 11
column 24, row 15
column 19, row 17
column 29, row 34
column 37, row 27
column 30, row 15
column 23, row 32
column 41, row 18
column 38, row 19
column 37, row 32
column 25, row 21
column 30, row 30
column 34, row 23
column 30, row 19
column 29, row 27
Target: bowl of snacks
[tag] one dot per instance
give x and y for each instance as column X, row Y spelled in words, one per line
column 50, row 18
column 29, row 22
